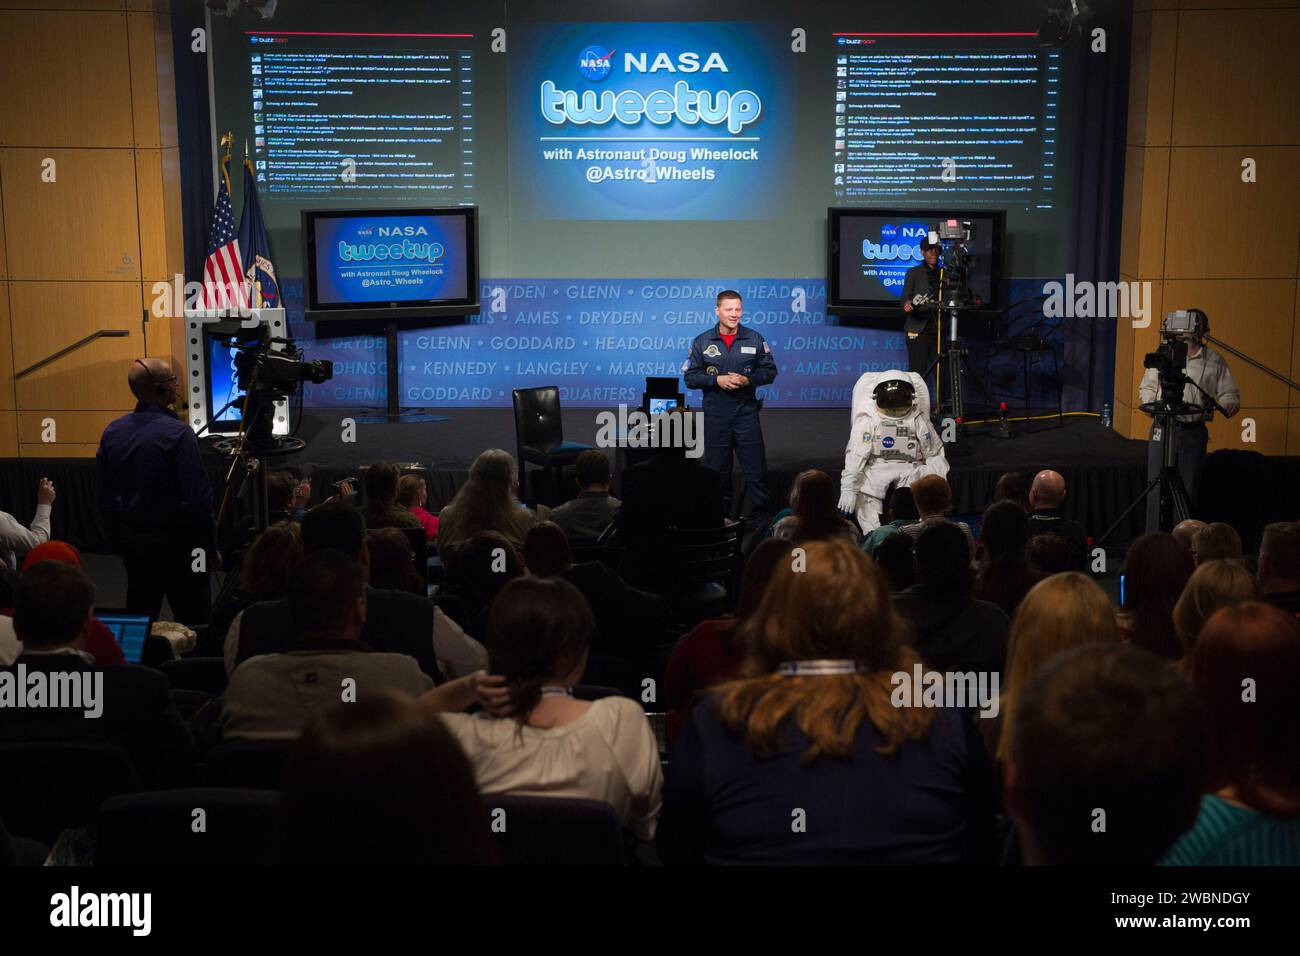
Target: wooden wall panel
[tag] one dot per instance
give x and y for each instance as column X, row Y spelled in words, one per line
column 8, row 434
column 1154, row 97
column 1270, row 431
column 1221, row 227
column 144, row 80
column 6, row 351
column 1236, row 78
column 152, row 213
column 70, row 427
column 1236, row 4
column 172, row 223
column 1146, row 186
column 48, row 316
column 4, row 259
column 82, row 226
column 65, row 78
column 62, row 5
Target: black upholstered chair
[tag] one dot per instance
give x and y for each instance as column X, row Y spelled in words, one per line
column 539, row 437
column 46, row 787
column 557, row 831
column 240, row 828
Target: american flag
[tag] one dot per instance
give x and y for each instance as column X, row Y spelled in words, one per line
column 223, row 272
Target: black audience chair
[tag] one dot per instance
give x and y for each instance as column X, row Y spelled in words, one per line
column 206, row 674
column 189, row 702
column 239, row 828
column 250, row 764
column 419, row 550
column 48, row 787
column 704, row 571
column 539, row 437
column 551, row 831
column 20, row 851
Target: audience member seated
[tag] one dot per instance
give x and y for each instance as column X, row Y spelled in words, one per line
column 286, row 500
column 486, row 502
column 1048, row 554
column 1156, row 572
column 1214, row 584
column 551, row 744
column 413, row 495
column 100, row 643
column 953, row 631
column 630, row 623
column 713, row 651
column 1045, row 517
column 264, row 577
column 14, row 538
column 273, row 696
column 900, row 511
column 392, row 565
column 1105, row 729
column 1251, row 813
column 381, row 509
column 485, row 565
column 1059, row 613
column 1217, row 542
column 1186, row 531
column 896, row 556
column 125, row 704
column 814, row 497
column 810, row 728
column 667, row 491
column 1004, row 576
column 933, row 497
column 587, row 516
column 1279, row 566
column 1013, row 486
column 396, row 621
column 380, row 783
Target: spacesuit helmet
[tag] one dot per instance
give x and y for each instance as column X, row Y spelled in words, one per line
column 895, row 397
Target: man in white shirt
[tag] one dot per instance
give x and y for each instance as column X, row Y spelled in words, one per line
column 1206, row 368
column 14, row 538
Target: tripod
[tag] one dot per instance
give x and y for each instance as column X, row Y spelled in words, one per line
column 955, row 362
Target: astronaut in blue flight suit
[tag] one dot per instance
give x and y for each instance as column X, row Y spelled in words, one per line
column 728, row 363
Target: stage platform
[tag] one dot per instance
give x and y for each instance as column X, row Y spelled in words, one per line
column 1103, row 471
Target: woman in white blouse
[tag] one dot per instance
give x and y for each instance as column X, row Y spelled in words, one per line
column 551, row 744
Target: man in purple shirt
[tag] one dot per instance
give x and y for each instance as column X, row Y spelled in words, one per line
column 158, row 499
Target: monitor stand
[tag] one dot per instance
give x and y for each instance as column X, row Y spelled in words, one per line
column 393, row 414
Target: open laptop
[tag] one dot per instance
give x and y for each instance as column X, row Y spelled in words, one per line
column 130, row 630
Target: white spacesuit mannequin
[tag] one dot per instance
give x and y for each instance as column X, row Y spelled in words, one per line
column 892, row 442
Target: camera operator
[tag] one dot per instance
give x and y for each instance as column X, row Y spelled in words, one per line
column 1206, row 368
column 158, row 499
column 919, row 324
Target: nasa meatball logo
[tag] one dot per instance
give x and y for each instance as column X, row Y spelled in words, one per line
column 888, row 232
column 887, row 442
column 594, row 63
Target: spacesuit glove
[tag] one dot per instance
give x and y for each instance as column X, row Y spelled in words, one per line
column 848, row 501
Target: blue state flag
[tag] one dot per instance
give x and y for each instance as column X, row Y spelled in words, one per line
column 255, row 247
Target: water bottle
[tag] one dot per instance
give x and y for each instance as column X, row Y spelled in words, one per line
column 1105, row 414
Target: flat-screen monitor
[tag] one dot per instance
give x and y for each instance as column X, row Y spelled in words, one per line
column 220, row 385
column 128, row 629
column 390, row 263
column 870, row 251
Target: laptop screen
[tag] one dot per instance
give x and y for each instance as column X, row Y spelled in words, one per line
column 130, row 630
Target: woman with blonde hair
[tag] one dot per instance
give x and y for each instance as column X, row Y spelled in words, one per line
column 1214, row 584
column 486, row 502
column 1059, row 612
column 805, row 758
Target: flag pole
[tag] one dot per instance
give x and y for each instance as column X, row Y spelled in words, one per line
column 257, row 283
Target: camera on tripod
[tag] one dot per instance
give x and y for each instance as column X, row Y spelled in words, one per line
column 267, row 375
column 1177, row 332
column 954, row 235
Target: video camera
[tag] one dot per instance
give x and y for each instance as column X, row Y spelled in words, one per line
column 1177, row 332
column 953, row 235
column 269, row 375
